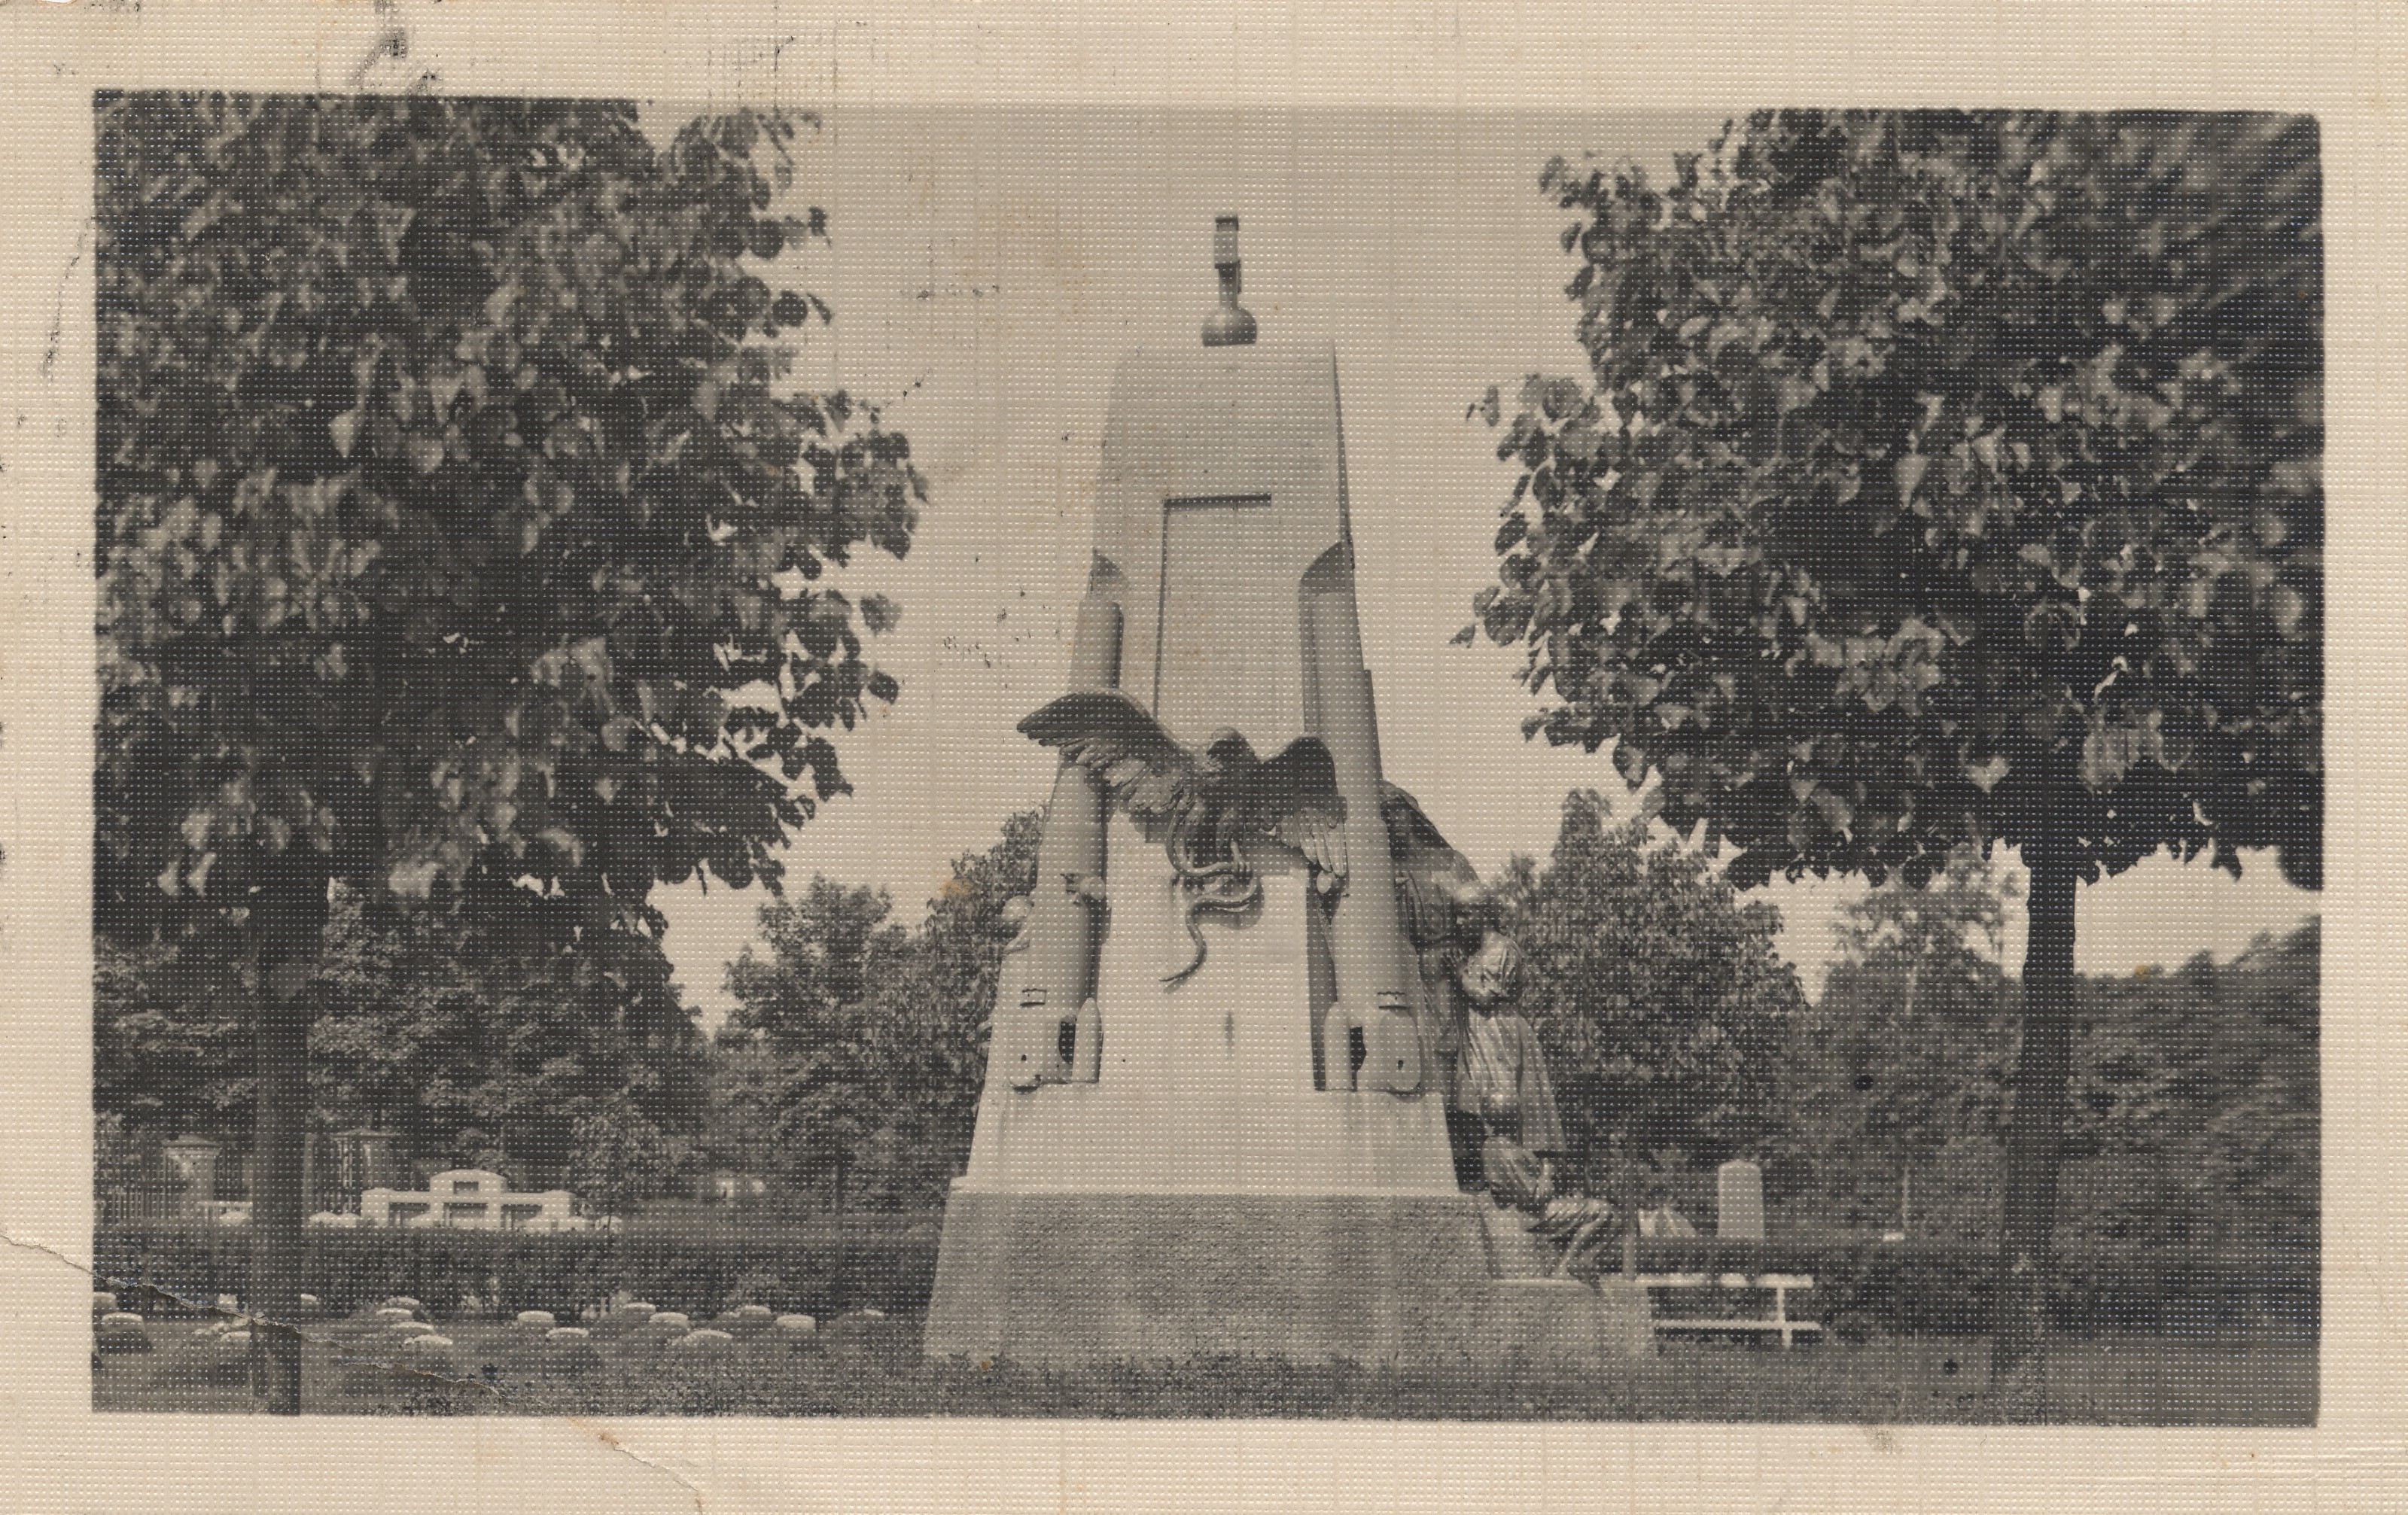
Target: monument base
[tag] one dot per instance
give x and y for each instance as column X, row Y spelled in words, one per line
column 1384, row 1280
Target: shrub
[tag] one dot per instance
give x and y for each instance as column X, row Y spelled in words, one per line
column 176, row 1271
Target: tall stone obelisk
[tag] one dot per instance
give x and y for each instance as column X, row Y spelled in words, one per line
column 1252, row 1158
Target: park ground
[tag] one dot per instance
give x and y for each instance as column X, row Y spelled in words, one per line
column 874, row 1368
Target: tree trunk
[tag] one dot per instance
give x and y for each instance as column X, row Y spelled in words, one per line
column 2035, row 1136
column 287, row 916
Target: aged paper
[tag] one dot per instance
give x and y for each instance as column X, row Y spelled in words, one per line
column 1467, row 78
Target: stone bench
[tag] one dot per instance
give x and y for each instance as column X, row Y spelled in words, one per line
column 1777, row 1323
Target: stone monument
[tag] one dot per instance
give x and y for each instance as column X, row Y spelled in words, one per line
column 1211, row 1121
column 1738, row 1201
column 190, row 1164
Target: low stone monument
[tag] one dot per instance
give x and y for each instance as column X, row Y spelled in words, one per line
column 569, row 1349
column 1738, row 1201
column 121, row 1331
column 1214, row 1116
column 192, row 1165
column 706, row 1342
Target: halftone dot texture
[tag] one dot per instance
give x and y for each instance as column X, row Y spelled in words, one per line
column 502, row 528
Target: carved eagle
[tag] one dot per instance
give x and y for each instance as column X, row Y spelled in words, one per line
column 1210, row 801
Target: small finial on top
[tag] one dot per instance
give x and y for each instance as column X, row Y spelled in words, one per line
column 1229, row 325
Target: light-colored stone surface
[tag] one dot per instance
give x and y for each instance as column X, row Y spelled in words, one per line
column 1221, row 511
column 799, row 1325
column 1083, row 1278
column 537, row 1320
column 119, row 1331
column 569, row 1333
column 1563, row 1325
column 703, row 1342
column 1738, row 1201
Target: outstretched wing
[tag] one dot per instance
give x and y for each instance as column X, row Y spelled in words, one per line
column 1113, row 736
column 1293, row 798
column 1435, row 884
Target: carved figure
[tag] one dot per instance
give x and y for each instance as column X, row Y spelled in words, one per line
column 1501, row 1114
column 1443, row 909
column 1210, row 805
column 1506, row 1104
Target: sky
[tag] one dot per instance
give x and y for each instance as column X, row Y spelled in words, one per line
column 987, row 268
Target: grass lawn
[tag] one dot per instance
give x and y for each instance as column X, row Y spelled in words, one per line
column 873, row 1368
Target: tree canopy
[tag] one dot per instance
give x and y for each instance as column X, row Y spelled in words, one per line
column 458, row 525
column 861, row 1042
column 478, row 1046
column 1899, row 1071
column 1942, row 478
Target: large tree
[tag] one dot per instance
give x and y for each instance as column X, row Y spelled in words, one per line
column 460, row 534
column 1944, row 478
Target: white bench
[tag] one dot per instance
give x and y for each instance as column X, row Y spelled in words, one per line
column 1777, row 1323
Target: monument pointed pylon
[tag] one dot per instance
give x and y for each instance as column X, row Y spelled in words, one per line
column 1249, row 1156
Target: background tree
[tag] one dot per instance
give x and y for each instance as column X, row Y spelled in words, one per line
column 479, row 1046
column 1945, row 478
column 863, row 1042
column 2196, row 1103
column 1903, row 1056
column 459, row 533
column 621, row 1158
column 1659, row 997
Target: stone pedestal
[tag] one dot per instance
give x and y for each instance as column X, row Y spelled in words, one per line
column 1061, row 1280
column 1557, row 1326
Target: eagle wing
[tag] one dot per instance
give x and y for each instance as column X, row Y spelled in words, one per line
column 1293, row 798
column 1146, row 772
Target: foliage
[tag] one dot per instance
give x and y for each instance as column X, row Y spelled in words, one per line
column 821, row 1270
column 1903, row 1057
column 2195, row 1109
column 459, row 532
column 2196, row 1103
column 862, row 1042
column 1660, row 997
column 457, row 527
column 171, row 1050
column 479, row 1044
column 622, row 1159
column 1946, row 478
